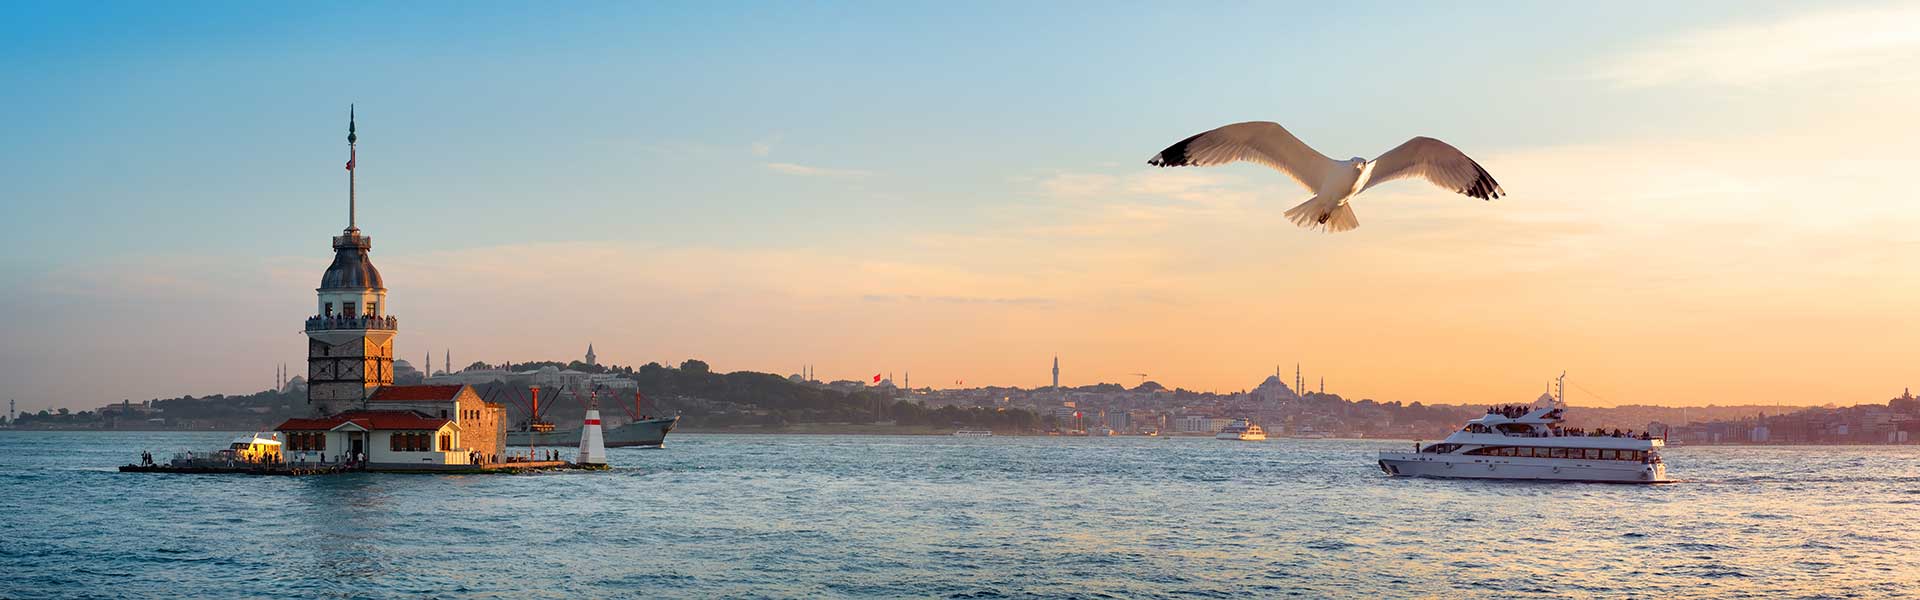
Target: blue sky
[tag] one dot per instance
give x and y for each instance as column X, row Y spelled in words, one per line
column 197, row 147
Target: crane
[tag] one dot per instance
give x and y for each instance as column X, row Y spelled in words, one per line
column 1142, row 376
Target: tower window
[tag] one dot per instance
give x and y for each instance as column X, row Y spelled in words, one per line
column 346, row 310
column 372, row 309
column 329, row 309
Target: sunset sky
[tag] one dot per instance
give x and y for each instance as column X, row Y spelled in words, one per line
column 1709, row 202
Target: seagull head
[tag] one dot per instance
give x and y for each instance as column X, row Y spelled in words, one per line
column 1357, row 162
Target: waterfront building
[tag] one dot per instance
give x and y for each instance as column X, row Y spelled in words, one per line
column 357, row 411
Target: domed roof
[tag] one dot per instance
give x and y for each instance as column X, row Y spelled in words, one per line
column 351, row 269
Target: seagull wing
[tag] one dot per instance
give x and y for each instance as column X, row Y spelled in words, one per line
column 1262, row 142
column 1438, row 162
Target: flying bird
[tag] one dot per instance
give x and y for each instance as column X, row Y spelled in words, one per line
column 1333, row 182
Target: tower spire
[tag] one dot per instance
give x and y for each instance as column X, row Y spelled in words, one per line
column 352, row 154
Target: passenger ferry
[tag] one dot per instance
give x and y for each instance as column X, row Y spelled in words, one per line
column 972, row 433
column 1242, row 430
column 1528, row 442
column 253, row 448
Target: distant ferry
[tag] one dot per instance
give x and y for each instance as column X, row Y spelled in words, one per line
column 1527, row 442
column 972, row 433
column 1242, row 430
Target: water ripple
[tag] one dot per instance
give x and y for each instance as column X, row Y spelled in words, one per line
column 716, row 516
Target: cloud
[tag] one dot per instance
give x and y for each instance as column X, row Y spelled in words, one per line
column 764, row 146
column 1020, row 301
column 807, row 171
column 1862, row 43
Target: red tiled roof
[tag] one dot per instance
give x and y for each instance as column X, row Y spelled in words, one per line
column 414, row 393
column 369, row 419
column 310, row 424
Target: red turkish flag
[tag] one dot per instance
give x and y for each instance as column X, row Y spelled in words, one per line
column 350, row 157
column 876, row 378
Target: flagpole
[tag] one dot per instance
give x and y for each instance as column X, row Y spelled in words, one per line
column 352, row 155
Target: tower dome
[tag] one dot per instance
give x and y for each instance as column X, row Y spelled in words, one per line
column 351, row 269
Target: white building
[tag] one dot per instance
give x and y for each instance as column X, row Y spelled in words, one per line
column 423, row 427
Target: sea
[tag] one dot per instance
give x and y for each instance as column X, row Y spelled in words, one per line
column 770, row 516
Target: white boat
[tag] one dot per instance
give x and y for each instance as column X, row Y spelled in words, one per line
column 972, row 433
column 254, row 447
column 1242, row 430
column 1527, row 442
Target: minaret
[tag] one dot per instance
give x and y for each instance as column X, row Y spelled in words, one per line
column 1056, row 372
column 448, row 367
column 429, row 370
column 350, row 340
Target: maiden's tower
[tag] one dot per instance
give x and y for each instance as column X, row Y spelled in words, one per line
column 358, row 414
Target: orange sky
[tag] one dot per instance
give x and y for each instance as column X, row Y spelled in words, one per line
column 1721, row 213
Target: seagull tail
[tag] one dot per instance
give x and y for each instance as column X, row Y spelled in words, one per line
column 1319, row 213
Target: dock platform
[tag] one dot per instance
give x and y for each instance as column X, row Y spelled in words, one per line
column 298, row 469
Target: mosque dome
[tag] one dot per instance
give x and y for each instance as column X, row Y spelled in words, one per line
column 351, row 269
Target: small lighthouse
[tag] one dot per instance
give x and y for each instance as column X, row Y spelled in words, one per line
column 593, row 445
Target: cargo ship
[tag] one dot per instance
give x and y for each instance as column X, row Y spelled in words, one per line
column 642, row 430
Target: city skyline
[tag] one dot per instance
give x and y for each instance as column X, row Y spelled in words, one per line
column 1670, row 238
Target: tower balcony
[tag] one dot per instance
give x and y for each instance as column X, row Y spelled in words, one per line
column 331, row 323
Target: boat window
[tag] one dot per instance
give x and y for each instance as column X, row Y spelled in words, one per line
column 1608, row 455
column 1557, row 453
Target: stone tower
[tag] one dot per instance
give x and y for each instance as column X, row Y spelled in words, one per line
column 591, row 358
column 350, row 339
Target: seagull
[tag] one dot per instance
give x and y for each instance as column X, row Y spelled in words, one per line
column 1333, row 182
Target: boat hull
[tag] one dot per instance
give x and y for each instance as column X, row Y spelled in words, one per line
column 1409, row 464
column 645, row 432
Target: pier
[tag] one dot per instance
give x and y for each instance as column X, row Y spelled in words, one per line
column 214, row 467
